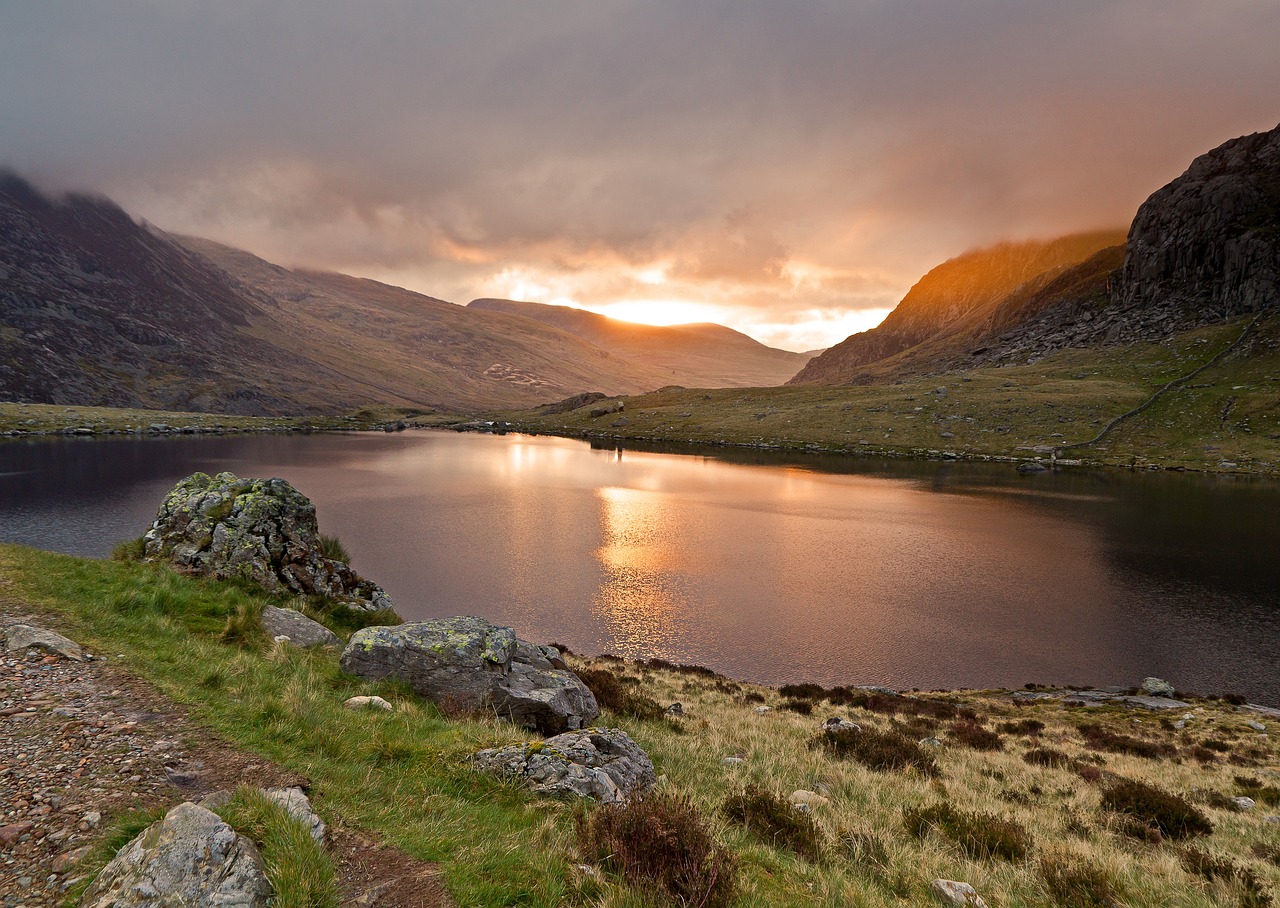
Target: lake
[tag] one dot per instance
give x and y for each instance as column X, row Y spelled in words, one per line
column 771, row 568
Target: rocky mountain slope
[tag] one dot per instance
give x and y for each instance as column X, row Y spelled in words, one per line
column 707, row 355
column 1202, row 249
column 954, row 298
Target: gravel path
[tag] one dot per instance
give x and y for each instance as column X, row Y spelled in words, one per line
column 82, row 743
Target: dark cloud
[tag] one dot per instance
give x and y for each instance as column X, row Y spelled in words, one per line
column 764, row 155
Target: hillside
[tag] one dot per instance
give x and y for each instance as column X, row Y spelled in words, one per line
column 698, row 355
column 97, row 309
column 955, row 297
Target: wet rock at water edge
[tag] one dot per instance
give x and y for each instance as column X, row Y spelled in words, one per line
column 1158, row 687
column 600, row 763
column 469, row 665
column 263, row 530
column 191, row 857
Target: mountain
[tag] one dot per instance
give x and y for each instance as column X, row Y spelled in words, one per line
column 98, row 309
column 697, row 355
column 954, row 299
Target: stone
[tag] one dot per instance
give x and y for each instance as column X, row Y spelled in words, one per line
column 804, row 800
column 468, row 664
column 835, row 723
column 761, row 710
column 92, row 818
column 1256, row 725
column 298, row 805
column 1157, row 687
column 367, row 703
column 12, row 833
column 296, row 628
column 733, row 760
column 957, row 894
column 68, row 859
column 262, row 530
column 675, row 709
column 600, row 763
column 22, row 637
column 191, row 857
column 1032, row 467
column 930, row 742
column 1242, row 804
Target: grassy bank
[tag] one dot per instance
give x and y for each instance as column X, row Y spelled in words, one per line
column 1014, row 799
column 1226, row 418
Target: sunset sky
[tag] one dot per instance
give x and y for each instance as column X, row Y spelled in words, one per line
column 786, row 168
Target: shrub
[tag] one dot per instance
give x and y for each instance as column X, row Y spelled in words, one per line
column 1046, row 756
column 773, row 819
column 880, row 750
column 130, row 550
column 1217, row 745
column 803, row 691
column 331, row 547
column 1253, row 893
column 661, row 843
column 1022, row 727
column 611, row 694
column 700, row 671
column 974, row 736
column 1235, row 699
column 979, row 835
column 1076, row 884
column 1100, row 738
column 1172, row 815
column 1267, row 852
column 803, row 707
column 1252, row 787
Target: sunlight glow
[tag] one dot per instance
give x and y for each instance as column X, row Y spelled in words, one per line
column 662, row 311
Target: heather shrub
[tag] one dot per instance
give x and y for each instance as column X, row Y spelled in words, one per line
column 974, row 736
column 775, row 820
column 979, row 835
column 612, row 694
column 1172, row 815
column 1077, row 884
column 1099, row 738
column 880, row 750
column 1046, row 756
column 662, row 846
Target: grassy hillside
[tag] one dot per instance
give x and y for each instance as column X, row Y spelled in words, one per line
column 1030, row 800
column 1228, row 414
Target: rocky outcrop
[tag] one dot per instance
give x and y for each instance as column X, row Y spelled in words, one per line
column 262, row 530
column 470, row 665
column 600, row 763
column 191, row 857
column 296, row 627
column 1210, row 240
column 21, row 637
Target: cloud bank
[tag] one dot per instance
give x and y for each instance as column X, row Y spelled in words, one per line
column 789, row 169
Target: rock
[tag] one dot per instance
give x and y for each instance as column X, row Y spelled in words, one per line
column 835, row 723
column 21, row 637
column 620, row 422
column 11, row 833
column 367, row 703
column 761, row 710
column 600, row 763
column 1256, row 725
column 471, row 665
column 296, row 627
column 953, row 893
column 805, row 800
column 675, row 709
column 298, row 805
column 930, row 742
column 733, row 760
column 1242, row 804
column 68, row 859
column 1032, row 467
column 1158, row 687
column 262, row 530
column 91, row 819
column 190, row 857
column 1207, row 242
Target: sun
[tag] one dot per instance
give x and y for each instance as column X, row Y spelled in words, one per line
column 661, row 312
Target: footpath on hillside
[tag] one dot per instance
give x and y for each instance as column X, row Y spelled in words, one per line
column 83, row 743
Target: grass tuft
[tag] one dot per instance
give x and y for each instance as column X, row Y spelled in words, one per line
column 979, row 835
column 1075, row 883
column 773, row 819
column 331, row 547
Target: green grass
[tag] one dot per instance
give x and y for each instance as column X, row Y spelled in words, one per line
column 404, row 775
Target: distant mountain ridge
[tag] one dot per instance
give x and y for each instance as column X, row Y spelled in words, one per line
column 704, row 352
column 96, row 308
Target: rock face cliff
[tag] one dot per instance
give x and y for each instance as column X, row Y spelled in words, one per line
column 960, row 291
column 1209, row 242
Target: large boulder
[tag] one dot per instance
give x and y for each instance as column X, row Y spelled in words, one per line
column 21, row 637
column 191, row 857
column 262, row 530
column 470, row 665
column 600, row 763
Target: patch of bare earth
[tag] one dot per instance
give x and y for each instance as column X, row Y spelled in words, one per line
column 82, row 743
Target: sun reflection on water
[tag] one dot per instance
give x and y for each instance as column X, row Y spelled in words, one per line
column 641, row 600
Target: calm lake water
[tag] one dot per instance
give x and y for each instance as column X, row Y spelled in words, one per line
column 768, row 568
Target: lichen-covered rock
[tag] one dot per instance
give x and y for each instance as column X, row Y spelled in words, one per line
column 600, row 763
column 262, row 530
column 190, row 857
column 297, row 805
column 470, row 665
column 1158, row 687
column 955, row 894
column 297, row 627
column 20, row 637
